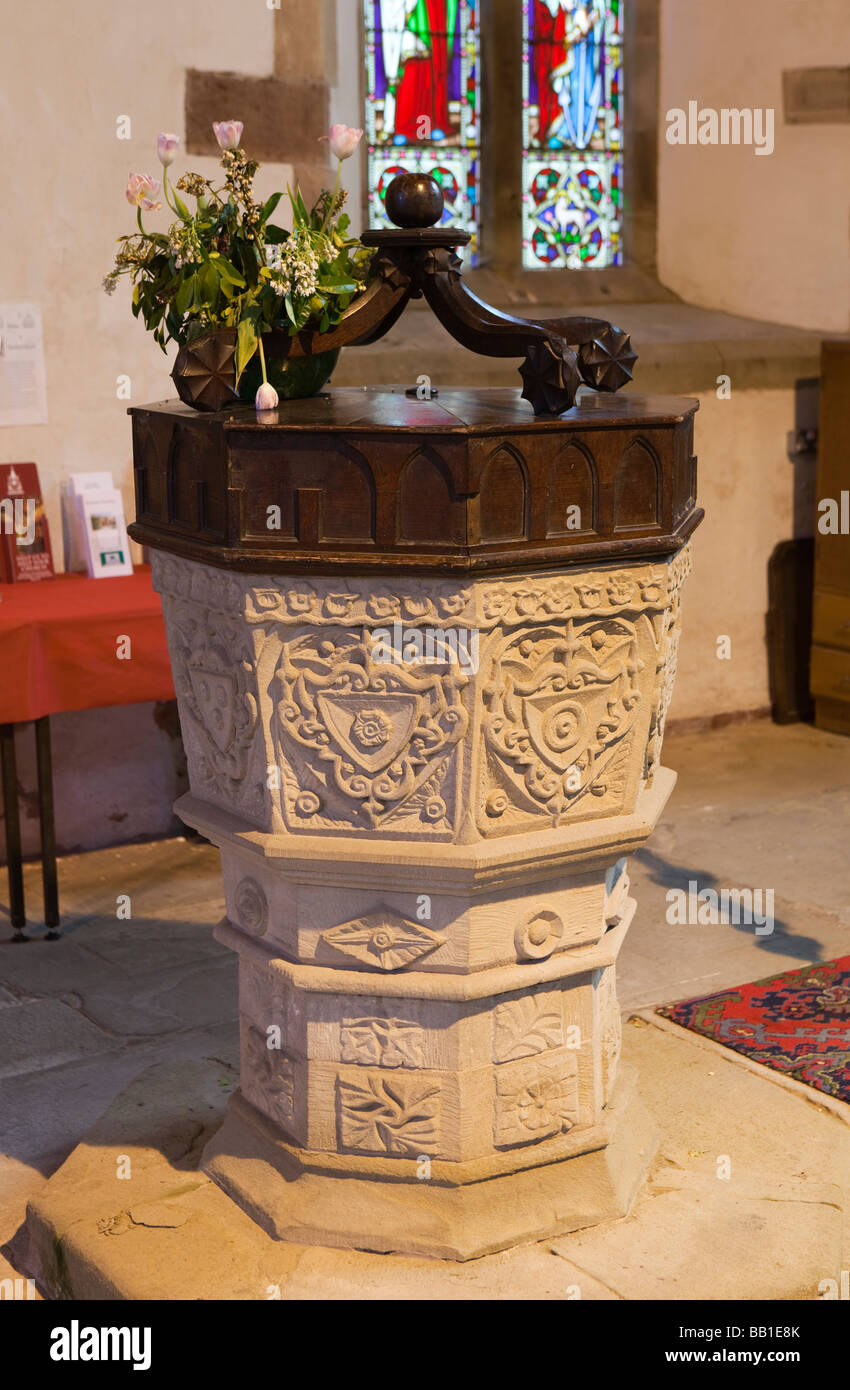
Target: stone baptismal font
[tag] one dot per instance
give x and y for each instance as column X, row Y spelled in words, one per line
column 423, row 652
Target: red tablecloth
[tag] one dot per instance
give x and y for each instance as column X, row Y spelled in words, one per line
column 59, row 644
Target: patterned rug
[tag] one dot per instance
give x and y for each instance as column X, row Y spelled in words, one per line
column 797, row 1023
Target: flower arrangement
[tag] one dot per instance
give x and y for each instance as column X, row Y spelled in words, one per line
column 227, row 265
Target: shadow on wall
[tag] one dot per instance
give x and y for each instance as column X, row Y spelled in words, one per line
column 116, row 774
column 790, row 572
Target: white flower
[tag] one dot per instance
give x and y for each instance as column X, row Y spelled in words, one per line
column 184, row 244
column 294, row 267
column 266, row 398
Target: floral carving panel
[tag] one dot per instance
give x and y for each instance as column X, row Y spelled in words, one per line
column 527, row 1026
column 389, row 1115
column 382, row 1042
column 535, row 1099
column 268, row 1077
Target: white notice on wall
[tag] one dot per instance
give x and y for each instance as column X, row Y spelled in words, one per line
column 23, row 397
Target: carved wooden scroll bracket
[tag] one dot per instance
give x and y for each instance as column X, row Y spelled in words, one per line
column 418, row 259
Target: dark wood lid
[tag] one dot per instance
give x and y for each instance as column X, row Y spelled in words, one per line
column 485, row 410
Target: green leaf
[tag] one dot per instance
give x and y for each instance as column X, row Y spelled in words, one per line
column 230, row 273
column 290, row 312
column 269, row 206
column 337, row 287
column 246, row 344
column 210, row 282
column 299, row 208
column 181, row 206
column 275, row 235
column 185, row 295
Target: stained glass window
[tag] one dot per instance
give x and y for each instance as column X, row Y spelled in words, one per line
column 422, row 102
column 572, row 133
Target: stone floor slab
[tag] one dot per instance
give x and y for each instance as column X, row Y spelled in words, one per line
column 708, row 1243
column 773, row 1230
column 44, row 1033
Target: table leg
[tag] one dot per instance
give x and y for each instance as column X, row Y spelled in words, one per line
column 14, row 857
column 48, row 826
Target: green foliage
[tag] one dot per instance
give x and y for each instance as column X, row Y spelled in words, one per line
column 226, row 265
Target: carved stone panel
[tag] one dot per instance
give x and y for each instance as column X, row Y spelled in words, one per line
column 561, row 706
column 527, row 1025
column 213, row 662
column 535, row 1099
column 611, row 1027
column 364, row 743
column 668, row 655
column 382, row 1042
column 268, row 1077
column 383, row 1114
column 379, row 941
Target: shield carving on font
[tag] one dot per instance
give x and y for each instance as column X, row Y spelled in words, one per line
column 368, row 734
column 559, row 707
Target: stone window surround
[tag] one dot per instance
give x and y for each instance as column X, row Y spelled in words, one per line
column 501, row 187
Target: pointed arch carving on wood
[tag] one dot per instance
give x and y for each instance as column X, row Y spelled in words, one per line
column 572, row 483
column 427, row 508
column 503, row 497
column 637, row 487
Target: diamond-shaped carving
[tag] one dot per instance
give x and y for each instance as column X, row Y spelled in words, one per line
column 382, row 940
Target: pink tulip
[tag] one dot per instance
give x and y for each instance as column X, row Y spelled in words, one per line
column 166, row 148
column 266, row 397
column 143, row 191
column 228, row 134
column 343, row 140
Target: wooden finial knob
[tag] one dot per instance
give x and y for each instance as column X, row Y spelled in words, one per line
column 414, row 200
